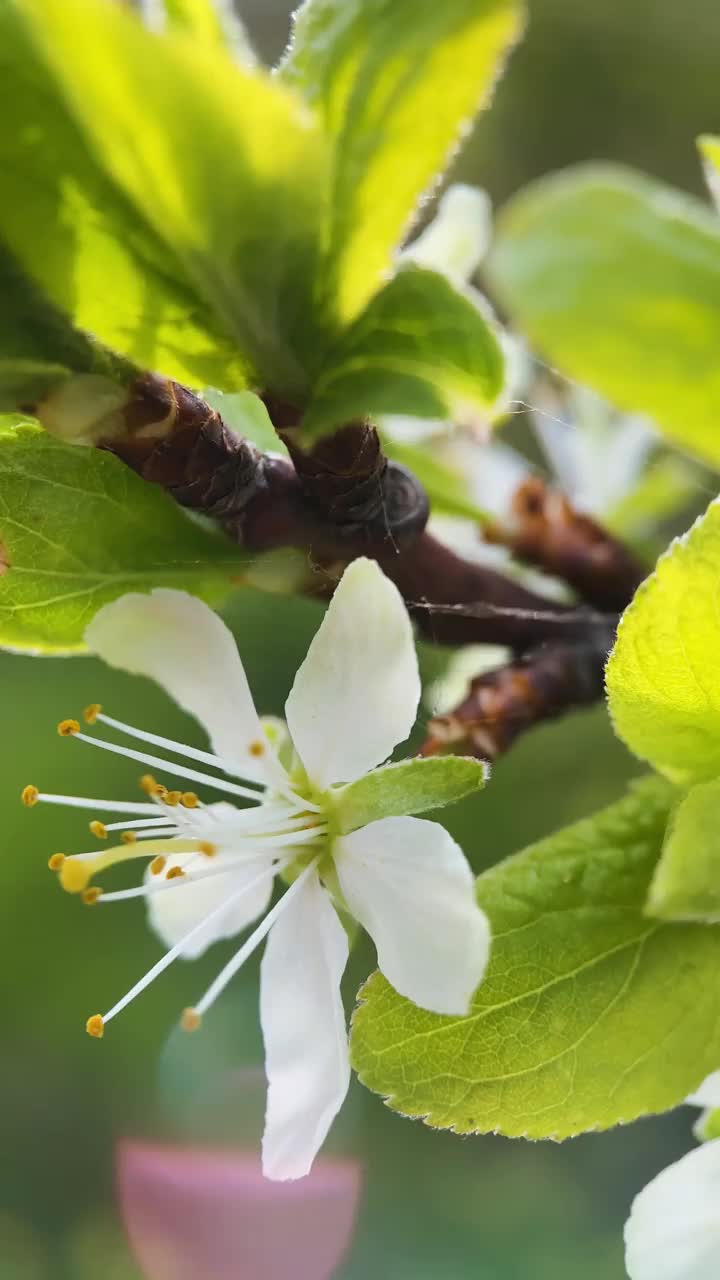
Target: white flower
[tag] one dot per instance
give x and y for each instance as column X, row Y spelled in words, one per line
column 211, row 867
column 673, row 1232
column 458, row 238
column 597, row 455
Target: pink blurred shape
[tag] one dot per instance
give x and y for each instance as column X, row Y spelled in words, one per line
column 194, row 1214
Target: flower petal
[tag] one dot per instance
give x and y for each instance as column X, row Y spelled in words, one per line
column 410, row 886
column 178, row 641
column 458, row 238
column 673, row 1232
column 194, row 1214
column 303, row 1023
column 708, row 1093
column 356, row 694
column 174, row 912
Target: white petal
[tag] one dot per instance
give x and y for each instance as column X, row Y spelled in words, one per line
column 410, row 886
column 560, row 446
column 673, row 1232
column 178, row 641
column 356, row 694
column 303, row 1022
column 457, row 239
column 175, row 912
column 708, row 1093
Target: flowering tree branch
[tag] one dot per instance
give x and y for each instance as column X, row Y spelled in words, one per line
column 502, row 704
column 345, row 498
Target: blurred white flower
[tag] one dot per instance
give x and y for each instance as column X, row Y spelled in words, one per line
column 211, row 867
column 595, row 454
column 673, row 1232
column 458, row 238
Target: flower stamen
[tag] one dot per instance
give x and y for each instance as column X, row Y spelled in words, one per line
column 100, row 1021
column 68, row 728
column 169, row 744
column 220, row 784
column 191, row 1020
column 87, row 802
column 253, row 942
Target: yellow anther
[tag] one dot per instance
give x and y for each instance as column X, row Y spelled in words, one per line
column 147, row 783
column 189, row 800
column 158, row 864
column 257, row 748
column 30, row 796
column 74, row 875
column 95, row 1026
column 190, row 1020
column 56, row 861
column 128, row 837
column 67, row 728
column 91, row 713
column 207, row 848
column 173, row 797
column 91, row 895
column 159, row 792
column 99, row 829
column 174, row 873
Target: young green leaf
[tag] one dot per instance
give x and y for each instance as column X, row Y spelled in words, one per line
column 590, row 1013
column 419, row 348
column 686, row 884
column 663, row 677
column 79, row 238
column 617, row 278
column 245, row 413
column 77, row 529
column 212, row 22
column 397, row 83
column 410, row 786
column 39, row 349
column 225, row 166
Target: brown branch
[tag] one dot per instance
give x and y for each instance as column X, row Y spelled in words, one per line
column 504, row 703
column 545, row 530
column 346, row 499
column 343, row 500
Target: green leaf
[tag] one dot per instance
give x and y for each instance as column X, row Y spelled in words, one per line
column 420, row 348
column 668, row 486
column 39, row 349
column 686, row 884
column 212, row 22
column 245, row 413
column 397, row 83
column 663, row 677
column 617, row 279
column 410, row 786
column 78, row 529
column 223, row 164
column 590, row 1014
column 446, row 488
column 80, row 239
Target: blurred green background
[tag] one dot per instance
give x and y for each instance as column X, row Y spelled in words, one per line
column 634, row 81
